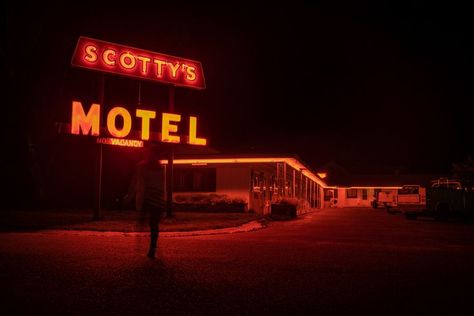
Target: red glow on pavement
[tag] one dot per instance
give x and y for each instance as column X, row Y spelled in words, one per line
column 133, row 62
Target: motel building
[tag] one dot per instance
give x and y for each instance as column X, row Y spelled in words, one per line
column 356, row 196
column 257, row 182
column 263, row 183
column 361, row 190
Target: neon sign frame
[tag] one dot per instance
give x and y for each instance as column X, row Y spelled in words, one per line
column 138, row 63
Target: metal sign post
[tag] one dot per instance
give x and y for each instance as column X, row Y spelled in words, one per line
column 98, row 181
column 169, row 173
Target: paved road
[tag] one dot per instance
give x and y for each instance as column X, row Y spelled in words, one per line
column 335, row 261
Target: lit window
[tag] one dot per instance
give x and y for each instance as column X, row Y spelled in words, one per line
column 351, row 193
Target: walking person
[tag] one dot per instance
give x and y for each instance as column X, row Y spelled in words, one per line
column 148, row 187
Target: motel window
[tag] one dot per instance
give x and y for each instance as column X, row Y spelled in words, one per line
column 376, row 192
column 194, row 179
column 364, row 194
column 257, row 181
column 328, row 194
column 351, row 193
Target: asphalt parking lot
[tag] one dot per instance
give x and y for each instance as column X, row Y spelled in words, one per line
column 329, row 262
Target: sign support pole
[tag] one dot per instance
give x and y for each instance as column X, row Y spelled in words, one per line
column 98, row 184
column 169, row 173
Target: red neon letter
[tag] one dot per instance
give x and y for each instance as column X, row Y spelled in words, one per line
column 130, row 57
column 167, row 127
column 85, row 123
column 106, row 59
column 191, row 73
column 91, row 52
column 159, row 67
column 174, row 69
column 193, row 140
column 127, row 122
column 146, row 116
column 145, row 61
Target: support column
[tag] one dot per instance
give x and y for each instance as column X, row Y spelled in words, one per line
column 300, row 191
column 294, row 183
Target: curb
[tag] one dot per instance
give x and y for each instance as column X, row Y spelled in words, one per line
column 247, row 227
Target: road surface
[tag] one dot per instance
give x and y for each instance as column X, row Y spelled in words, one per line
column 333, row 261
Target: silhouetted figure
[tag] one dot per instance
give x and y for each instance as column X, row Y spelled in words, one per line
column 149, row 188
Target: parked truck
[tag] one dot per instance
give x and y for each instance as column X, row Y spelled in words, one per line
column 406, row 198
column 447, row 198
column 384, row 198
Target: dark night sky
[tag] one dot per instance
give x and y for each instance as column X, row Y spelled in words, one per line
column 373, row 87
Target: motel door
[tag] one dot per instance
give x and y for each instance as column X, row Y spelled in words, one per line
column 330, row 197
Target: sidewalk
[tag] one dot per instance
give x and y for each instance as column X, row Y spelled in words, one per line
column 247, row 227
column 125, row 221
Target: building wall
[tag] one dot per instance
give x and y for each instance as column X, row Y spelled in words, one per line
column 234, row 181
column 231, row 180
column 358, row 201
column 261, row 184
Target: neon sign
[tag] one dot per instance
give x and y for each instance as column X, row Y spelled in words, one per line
column 120, row 142
column 133, row 62
column 83, row 123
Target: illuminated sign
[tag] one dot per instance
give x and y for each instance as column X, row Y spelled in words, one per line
column 142, row 64
column 120, row 142
column 83, row 123
column 322, row 175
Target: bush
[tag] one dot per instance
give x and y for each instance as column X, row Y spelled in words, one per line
column 208, row 202
column 288, row 201
column 286, row 208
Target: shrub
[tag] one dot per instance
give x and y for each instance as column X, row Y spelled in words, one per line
column 209, row 202
column 181, row 198
column 288, row 201
column 206, row 199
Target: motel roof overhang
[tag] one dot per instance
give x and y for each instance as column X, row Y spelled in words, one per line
column 292, row 160
column 389, row 181
column 381, row 181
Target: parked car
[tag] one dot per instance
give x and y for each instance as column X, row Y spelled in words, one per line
column 447, row 198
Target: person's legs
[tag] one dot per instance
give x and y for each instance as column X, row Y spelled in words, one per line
column 154, row 231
